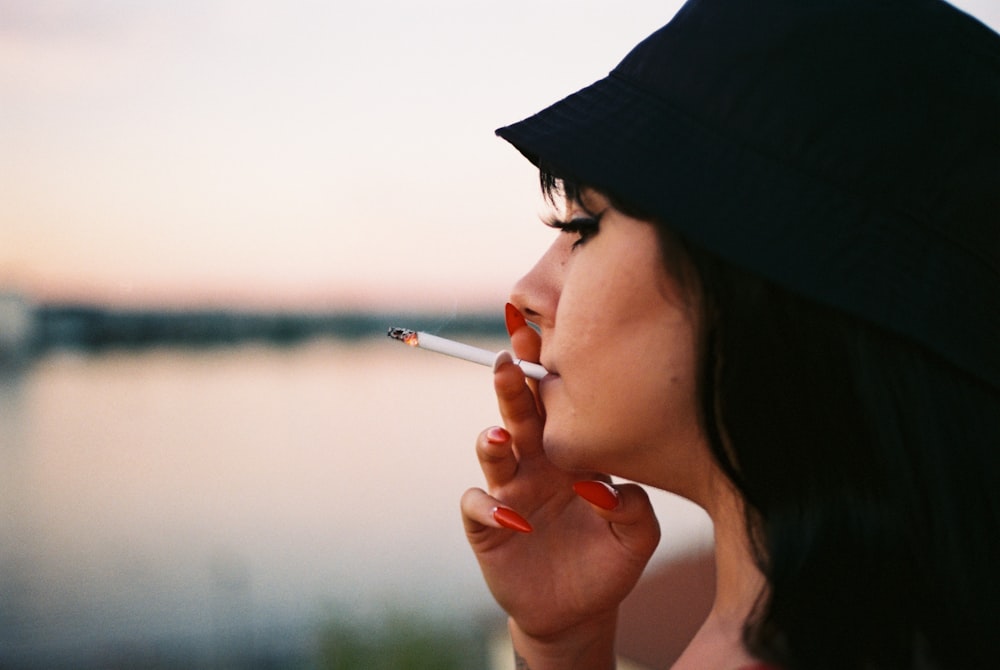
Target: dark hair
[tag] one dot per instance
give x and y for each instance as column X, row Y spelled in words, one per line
column 870, row 469
column 871, row 472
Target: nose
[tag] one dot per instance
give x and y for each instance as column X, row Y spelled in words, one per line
column 537, row 293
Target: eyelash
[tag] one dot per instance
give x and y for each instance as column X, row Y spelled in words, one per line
column 584, row 226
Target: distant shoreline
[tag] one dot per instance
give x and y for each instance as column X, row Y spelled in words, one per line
column 47, row 327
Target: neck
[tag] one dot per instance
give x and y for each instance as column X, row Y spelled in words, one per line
column 738, row 581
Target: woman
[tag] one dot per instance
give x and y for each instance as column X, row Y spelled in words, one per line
column 778, row 295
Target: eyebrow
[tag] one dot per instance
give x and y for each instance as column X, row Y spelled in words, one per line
column 588, row 192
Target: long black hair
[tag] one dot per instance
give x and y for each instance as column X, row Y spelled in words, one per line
column 870, row 469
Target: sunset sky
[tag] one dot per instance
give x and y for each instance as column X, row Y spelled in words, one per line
column 294, row 153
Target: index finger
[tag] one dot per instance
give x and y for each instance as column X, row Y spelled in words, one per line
column 526, row 342
column 517, row 405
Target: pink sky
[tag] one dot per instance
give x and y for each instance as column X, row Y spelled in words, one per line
column 294, row 153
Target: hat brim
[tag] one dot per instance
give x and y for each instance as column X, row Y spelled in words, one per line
column 760, row 214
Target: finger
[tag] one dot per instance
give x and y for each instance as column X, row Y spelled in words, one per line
column 496, row 456
column 525, row 340
column 483, row 515
column 527, row 344
column 627, row 509
column 517, row 405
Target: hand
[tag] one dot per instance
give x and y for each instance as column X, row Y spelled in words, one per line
column 561, row 582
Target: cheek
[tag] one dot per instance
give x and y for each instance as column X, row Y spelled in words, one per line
column 620, row 413
column 649, row 405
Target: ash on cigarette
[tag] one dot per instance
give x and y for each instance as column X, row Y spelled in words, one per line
column 403, row 335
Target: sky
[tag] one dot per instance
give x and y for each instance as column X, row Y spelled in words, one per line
column 303, row 153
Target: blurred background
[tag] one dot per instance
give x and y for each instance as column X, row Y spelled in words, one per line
column 210, row 212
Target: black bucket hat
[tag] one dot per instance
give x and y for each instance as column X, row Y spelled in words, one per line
column 846, row 150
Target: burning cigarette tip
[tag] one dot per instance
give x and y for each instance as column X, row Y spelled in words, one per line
column 406, row 335
column 459, row 350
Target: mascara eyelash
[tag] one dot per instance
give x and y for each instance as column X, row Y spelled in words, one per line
column 584, row 226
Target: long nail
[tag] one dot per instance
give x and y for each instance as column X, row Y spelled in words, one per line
column 508, row 518
column 513, row 318
column 497, row 435
column 597, row 493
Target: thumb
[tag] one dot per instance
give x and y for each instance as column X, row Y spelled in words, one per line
column 627, row 509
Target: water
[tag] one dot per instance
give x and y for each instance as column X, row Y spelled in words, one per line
column 219, row 498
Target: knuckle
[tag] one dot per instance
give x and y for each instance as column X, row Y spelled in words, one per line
column 469, row 498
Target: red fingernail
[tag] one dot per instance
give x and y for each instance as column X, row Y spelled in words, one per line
column 513, row 318
column 508, row 518
column 598, row 493
column 497, row 435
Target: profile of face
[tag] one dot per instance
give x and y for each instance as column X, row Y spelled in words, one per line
column 619, row 335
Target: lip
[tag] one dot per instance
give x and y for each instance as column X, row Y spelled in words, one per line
column 551, row 376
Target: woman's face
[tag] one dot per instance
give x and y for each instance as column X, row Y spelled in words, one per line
column 619, row 336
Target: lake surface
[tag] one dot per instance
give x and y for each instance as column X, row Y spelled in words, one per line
column 240, row 496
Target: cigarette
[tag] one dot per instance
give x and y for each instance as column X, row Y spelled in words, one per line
column 459, row 350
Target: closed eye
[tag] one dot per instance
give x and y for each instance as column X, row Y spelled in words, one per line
column 584, row 227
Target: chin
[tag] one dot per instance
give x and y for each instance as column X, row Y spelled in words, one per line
column 565, row 453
